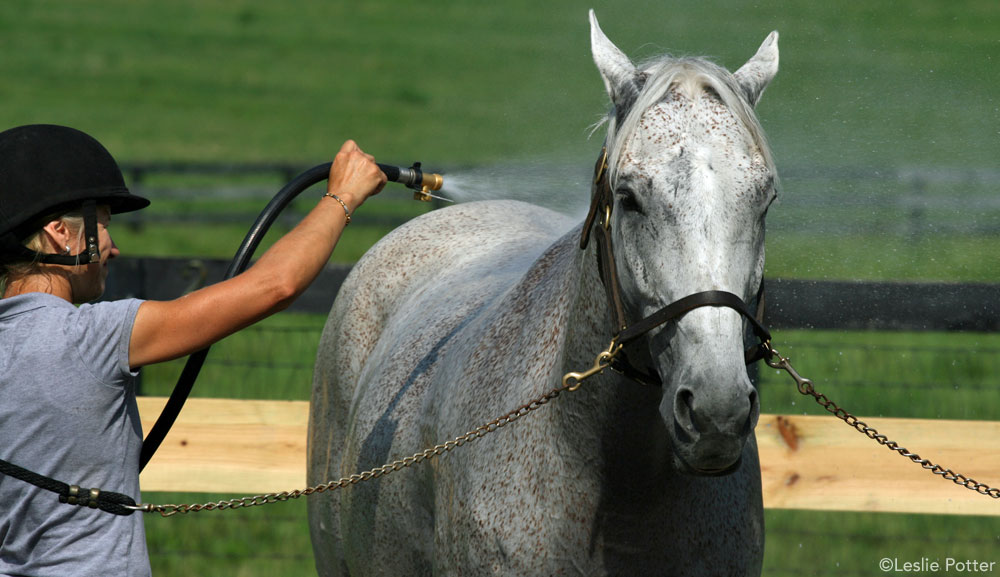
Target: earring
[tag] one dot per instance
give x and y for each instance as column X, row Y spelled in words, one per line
column 67, row 249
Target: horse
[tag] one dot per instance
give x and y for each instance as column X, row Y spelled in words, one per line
column 467, row 312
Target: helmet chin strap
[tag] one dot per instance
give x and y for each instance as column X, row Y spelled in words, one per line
column 92, row 252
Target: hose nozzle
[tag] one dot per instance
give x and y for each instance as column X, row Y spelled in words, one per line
column 421, row 182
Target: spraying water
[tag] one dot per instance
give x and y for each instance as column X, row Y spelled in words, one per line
column 564, row 188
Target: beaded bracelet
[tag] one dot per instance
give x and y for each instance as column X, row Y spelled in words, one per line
column 347, row 211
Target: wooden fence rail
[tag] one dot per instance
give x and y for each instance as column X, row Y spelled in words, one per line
column 241, row 448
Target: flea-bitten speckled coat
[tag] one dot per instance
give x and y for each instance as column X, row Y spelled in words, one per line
column 466, row 313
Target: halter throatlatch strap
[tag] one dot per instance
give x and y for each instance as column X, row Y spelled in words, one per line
column 601, row 204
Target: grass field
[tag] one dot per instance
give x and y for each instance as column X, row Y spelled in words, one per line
column 878, row 87
column 879, row 84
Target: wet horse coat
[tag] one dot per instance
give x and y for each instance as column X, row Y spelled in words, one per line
column 468, row 312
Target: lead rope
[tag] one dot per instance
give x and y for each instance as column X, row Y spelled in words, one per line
column 774, row 360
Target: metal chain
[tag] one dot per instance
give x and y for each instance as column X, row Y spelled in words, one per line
column 805, row 387
column 430, row 453
column 570, row 382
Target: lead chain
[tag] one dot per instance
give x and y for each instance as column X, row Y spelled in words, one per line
column 773, row 359
column 426, row 454
column 805, row 387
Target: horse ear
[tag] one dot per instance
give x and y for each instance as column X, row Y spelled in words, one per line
column 754, row 76
column 616, row 69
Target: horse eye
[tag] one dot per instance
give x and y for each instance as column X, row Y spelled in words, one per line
column 768, row 184
column 627, row 200
column 768, row 190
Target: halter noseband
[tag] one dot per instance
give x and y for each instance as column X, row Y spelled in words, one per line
column 601, row 204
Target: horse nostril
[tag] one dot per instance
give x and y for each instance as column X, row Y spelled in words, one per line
column 684, row 410
column 737, row 418
column 754, row 411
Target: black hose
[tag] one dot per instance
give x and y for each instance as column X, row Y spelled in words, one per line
column 393, row 173
column 239, row 263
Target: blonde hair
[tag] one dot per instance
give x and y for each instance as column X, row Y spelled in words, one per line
column 36, row 244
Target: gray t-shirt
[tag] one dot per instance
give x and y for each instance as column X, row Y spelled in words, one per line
column 68, row 411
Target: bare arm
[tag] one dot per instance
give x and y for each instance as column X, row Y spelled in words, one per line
column 165, row 330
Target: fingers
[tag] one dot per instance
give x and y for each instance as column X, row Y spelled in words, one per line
column 354, row 176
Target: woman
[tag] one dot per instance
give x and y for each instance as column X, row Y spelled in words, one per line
column 67, row 401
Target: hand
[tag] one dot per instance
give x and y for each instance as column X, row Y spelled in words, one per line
column 354, row 176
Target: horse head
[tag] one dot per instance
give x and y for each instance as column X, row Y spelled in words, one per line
column 692, row 177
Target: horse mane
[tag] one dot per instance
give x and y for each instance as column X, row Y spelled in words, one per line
column 690, row 76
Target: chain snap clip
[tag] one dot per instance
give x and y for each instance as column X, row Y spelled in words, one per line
column 572, row 381
column 775, row 360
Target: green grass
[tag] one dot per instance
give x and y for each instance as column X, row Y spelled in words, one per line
column 263, row 542
column 270, row 360
column 804, row 544
column 260, row 541
column 878, row 86
column 877, row 257
column 911, row 375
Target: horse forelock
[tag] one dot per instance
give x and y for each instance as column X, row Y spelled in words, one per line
column 690, row 77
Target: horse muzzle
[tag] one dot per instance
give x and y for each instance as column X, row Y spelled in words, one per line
column 709, row 433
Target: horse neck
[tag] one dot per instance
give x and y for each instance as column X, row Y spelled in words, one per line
column 590, row 320
column 564, row 286
column 617, row 411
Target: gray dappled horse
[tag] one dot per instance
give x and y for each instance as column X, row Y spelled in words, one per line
column 468, row 312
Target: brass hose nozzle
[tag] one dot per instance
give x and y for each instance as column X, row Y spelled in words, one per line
column 421, row 182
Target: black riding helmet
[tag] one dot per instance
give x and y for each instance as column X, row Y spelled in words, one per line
column 47, row 169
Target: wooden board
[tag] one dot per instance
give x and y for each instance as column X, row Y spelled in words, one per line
column 239, row 447
column 819, row 462
column 228, row 446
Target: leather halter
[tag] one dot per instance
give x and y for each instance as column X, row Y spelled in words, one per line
column 601, row 205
